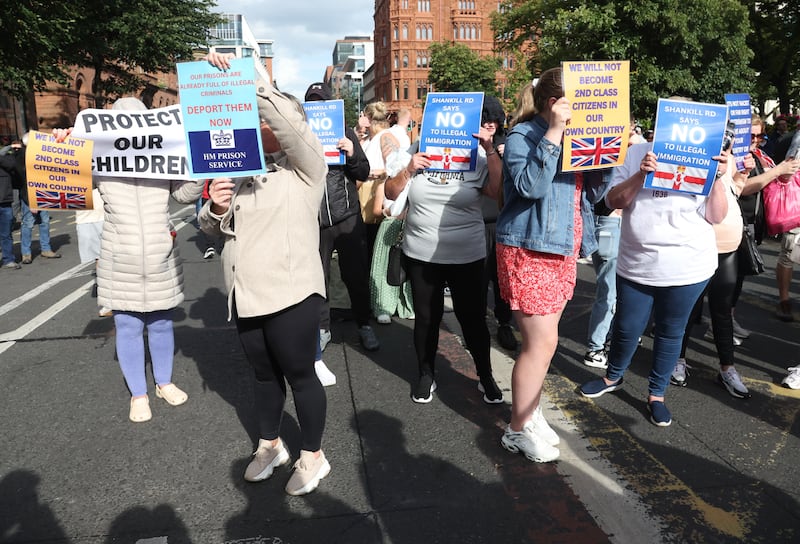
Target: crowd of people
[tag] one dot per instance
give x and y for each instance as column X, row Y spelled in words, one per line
column 517, row 222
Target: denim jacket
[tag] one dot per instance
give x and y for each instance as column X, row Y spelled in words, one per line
column 538, row 204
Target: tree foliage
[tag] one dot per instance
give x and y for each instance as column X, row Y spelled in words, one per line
column 454, row 67
column 693, row 48
column 121, row 40
column 31, row 43
column 775, row 41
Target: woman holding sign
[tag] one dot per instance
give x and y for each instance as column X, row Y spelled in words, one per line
column 140, row 275
column 444, row 243
column 667, row 253
column 545, row 223
column 274, row 279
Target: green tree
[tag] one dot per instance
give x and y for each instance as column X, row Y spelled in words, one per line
column 775, row 40
column 31, row 43
column 454, row 67
column 120, row 39
column 693, row 48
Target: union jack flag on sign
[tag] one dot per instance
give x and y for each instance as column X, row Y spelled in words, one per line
column 56, row 200
column 602, row 151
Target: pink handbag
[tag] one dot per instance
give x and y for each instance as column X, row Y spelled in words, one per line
column 782, row 205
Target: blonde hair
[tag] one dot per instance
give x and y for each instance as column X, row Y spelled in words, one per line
column 524, row 110
column 757, row 120
column 377, row 112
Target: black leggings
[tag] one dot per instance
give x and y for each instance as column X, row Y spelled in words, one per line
column 721, row 291
column 281, row 347
column 469, row 303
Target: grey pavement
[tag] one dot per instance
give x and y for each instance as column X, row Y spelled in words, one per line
column 74, row 469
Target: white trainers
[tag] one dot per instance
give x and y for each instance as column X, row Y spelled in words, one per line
column 530, row 444
column 384, row 319
column 730, row 380
column 326, row 377
column 679, row 373
column 792, row 380
column 265, row 459
column 542, row 428
column 324, row 338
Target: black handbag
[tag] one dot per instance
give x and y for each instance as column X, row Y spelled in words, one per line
column 750, row 261
column 396, row 267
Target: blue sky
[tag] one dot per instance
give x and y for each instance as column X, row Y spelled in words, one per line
column 304, row 32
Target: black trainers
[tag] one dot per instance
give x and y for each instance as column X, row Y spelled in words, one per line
column 491, row 393
column 423, row 392
column 506, row 338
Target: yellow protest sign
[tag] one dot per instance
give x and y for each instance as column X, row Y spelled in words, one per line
column 59, row 174
column 599, row 95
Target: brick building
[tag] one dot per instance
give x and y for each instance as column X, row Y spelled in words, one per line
column 405, row 29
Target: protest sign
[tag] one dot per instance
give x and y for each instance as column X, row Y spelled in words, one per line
column 59, row 175
column 740, row 114
column 687, row 137
column 599, row 96
column 135, row 143
column 448, row 124
column 220, row 113
column 326, row 119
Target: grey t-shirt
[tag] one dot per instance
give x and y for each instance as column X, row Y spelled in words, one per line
column 445, row 223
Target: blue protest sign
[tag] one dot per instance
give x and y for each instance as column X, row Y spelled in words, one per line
column 448, row 123
column 740, row 114
column 687, row 136
column 220, row 116
column 326, row 119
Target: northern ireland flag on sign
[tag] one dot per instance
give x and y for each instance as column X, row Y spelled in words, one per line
column 56, row 200
column 449, row 158
column 332, row 154
column 678, row 177
column 595, row 151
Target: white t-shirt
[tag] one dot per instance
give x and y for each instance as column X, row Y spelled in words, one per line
column 665, row 239
column 402, row 136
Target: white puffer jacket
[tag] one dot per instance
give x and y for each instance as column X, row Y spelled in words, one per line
column 139, row 268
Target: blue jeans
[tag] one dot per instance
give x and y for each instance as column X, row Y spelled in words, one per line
column 6, row 241
column 26, row 231
column 671, row 307
column 605, row 266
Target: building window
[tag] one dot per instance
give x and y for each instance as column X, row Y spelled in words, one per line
column 405, row 61
column 396, row 92
column 405, row 4
column 405, row 32
column 395, row 33
column 396, row 62
column 423, row 5
column 405, row 92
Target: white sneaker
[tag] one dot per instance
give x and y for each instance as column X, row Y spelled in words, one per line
column 792, row 381
column 730, row 380
column 326, row 377
column 384, row 319
column 324, row 338
column 531, row 445
column 542, row 429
